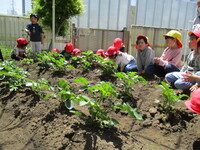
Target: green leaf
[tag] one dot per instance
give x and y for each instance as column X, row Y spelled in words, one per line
column 81, row 80
column 76, row 112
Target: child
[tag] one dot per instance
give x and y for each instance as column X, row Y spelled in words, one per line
column 125, row 61
column 194, row 103
column 55, row 50
column 192, row 65
column 196, row 22
column 118, row 44
column 144, row 55
column 101, row 53
column 67, row 51
column 20, row 51
column 170, row 60
column 36, row 34
column 76, row 52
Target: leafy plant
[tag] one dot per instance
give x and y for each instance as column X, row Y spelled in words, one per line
column 41, row 87
column 106, row 90
column 82, row 61
column 83, row 81
column 108, row 67
column 13, row 75
column 170, row 98
column 133, row 112
column 65, row 94
column 54, row 60
column 99, row 116
column 6, row 51
column 27, row 61
column 129, row 79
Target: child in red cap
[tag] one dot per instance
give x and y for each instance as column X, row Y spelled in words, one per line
column 55, row 50
column 119, row 45
column 67, row 52
column 194, row 103
column 76, row 52
column 125, row 61
column 20, row 50
column 144, row 53
column 101, row 53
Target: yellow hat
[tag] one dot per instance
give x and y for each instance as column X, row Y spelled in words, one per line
column 198, row 40
column 175, row 34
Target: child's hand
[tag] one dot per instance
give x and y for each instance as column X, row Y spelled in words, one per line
column 193, row 88
column 156, row 60
column 188, row 77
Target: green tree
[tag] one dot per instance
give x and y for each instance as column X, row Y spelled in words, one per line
column 64, row 10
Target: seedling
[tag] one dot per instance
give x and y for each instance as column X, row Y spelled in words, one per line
column 41, row 87
column 129, row 79
column 13, row 75
column 83, row 81
column 108, row 67
column 170, row 98
column 27, row 61
column 106, row 90
column 65, row 94
column 52, row 60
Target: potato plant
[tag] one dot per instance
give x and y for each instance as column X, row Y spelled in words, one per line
column 12, row 75
column 170, row 98
column 128, row 79
column 104, row 92
column 41, row 88
column 52, row 60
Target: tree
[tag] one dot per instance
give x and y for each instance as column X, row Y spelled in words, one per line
column 64, row 10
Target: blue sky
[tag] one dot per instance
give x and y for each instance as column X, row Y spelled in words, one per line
column 133, row 2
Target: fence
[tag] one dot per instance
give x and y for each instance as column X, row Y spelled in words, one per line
column 12, row 27
column 94, row 39
column 155, row 35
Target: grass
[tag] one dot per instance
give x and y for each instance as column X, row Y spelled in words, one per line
column 6, row 52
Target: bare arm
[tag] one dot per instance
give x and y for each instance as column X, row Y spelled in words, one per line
column 42, row 37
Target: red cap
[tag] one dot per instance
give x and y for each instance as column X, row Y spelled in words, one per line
column 56, row 50
column 196, row 32
column 69, row 47
column 136, row 46
column 100, row 52
column 112, row 51
column 194, row 103
column 118, row 43
column 21, row 41
column 76, row 50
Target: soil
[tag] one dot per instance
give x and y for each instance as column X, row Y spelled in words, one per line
column 30, row 123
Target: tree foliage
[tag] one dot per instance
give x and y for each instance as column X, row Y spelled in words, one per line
column 64, row 10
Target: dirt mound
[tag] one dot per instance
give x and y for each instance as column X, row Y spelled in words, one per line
column 27, row 122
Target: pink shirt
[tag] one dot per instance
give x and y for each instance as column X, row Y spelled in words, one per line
column 171, row 56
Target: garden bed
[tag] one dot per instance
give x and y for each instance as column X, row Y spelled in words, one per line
column 29, row 122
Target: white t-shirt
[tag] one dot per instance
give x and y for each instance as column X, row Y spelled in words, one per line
column 122, row 60
column 18, row 51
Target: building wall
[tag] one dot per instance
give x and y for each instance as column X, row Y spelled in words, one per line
column 104, row 14
column 165, row 13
